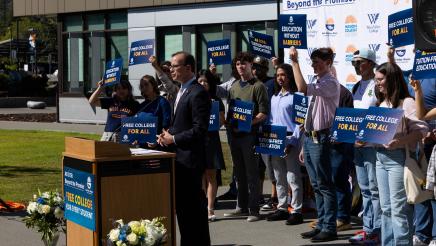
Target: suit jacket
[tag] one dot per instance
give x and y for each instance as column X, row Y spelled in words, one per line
column 189, row 125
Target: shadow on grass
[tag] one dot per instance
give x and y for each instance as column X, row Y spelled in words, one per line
column 13, row 214
column 15, row 171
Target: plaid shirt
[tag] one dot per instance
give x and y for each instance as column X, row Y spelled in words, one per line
column 431, row 172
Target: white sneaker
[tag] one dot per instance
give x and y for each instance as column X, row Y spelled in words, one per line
column 418, row 242
column 432, row 243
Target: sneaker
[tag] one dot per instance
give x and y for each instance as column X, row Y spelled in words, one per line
column 324, row 237
column 227, row 196
column 417, row 241
column 278, row 215
column 253, row 217
column 362, row 238
column 294, row 219
column 270, row 204
column 310, row 234
column 432, row 243
column 212, row 218
column 342, row 226
column 237, row 213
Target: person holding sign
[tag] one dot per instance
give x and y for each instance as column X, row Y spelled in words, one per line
column 317, row 146
column 169, row 87
column 364, row 62
column 214, row 154
column 154, row 104
column 286, row 169
column 248, row 90
column 120, row 105
column 397, row 215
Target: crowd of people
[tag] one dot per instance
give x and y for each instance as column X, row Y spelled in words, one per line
column 181, row 99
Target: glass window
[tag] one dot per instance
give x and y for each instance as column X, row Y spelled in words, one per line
column 95, row 22
column 206, row 34
column 73, row 23
column 117, row 21
column 118, row 43
column 170, row 41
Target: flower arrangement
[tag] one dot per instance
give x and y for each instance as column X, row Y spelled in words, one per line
column 46, row 213
column 143, row 232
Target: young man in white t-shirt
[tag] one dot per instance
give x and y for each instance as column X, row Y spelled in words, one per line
column 364, row 62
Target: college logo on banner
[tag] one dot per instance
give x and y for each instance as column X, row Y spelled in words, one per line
column 311, row 28
column 292, row 31
column 346, row 123
column 330, row 28
column 373, row 26
column 261, row 44
column 112, row 74
column 400, row 28
column 140, row 51
column 300, row 107
column 219, row 52
column 141, row 129
column 241, row 115
column 379, row 125
column 351, row 25
column 425, row 65
column 351, row 80
column 349, row 52
column 271, row 140
column 79, row 193
column 214, row 119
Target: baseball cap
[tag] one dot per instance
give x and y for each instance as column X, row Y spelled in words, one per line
column 262, row 61
column 365, row 54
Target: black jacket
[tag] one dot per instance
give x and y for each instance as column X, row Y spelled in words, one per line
column 189, row 126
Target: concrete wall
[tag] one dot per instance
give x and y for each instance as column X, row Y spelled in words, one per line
column 78, row 110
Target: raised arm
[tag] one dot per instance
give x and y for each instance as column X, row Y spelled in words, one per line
column 421, row 112
column 94, row 100
column 299, row 80
column 168, row 84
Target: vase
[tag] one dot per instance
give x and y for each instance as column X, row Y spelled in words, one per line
column 54, row 240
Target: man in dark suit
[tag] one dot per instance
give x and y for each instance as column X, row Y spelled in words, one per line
column 187, row 137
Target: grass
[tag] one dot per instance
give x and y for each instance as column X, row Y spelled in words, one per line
column 31, row 160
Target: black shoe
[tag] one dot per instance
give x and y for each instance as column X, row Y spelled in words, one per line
column 278, row 215
column 269, row 204
column 324, row 237
column 310, row 234
column 294, row 219
column 227, row 196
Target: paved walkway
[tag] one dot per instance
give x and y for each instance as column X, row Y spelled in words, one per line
column 224, row 232
column 47, row 110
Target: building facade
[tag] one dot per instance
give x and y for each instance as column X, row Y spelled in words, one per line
column 93, row 32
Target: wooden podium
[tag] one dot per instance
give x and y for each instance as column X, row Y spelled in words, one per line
column 126, row 187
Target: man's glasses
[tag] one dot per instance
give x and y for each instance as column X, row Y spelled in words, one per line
column 176, row 66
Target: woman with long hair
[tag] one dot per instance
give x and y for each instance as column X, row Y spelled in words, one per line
column 120, row 105
column 397, row 214
column 286, row 168
column 214, row 154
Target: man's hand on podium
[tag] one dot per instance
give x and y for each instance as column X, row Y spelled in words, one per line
column 165, row 138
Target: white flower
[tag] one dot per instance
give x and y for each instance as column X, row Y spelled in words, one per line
column 45, row 195
column 32, row 207
column 39, row 208
column 135, row 226
column 133, row 239
column 45, row 209
column 57, row 199
column 114, row 234
column 120, row 222
column 58, row 213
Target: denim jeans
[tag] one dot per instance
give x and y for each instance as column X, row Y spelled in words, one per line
column 342, row 160
column 319, row 169
column 425, row 228
column 365, row 159
column 397, row 214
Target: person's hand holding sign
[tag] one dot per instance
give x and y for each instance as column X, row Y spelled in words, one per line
column 275, row 61
column 393, row 144
column 165, row 138
column 153, row 61
column 416, row 85
column 293, row 54
column 359, row 144
column 212, row 68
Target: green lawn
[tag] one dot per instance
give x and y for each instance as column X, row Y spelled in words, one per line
column 32, row 160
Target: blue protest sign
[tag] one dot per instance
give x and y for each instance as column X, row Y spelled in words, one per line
column 140, row 51
column 400, row 28
column 219, row 52
column 214, row 120
column 261, row 44
column 112, row 74
column 141, row 129
column 79, row 193
column 293, row 31
column 425, row 65
column 271, row 140
column 241, row 115
column 299, row 110
column 379, row 125
column 346, row 124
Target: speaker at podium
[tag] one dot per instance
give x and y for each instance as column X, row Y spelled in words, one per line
column 104, row 182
